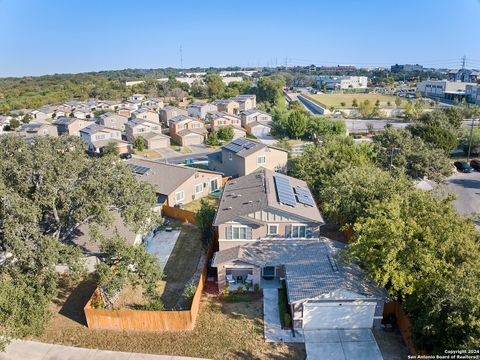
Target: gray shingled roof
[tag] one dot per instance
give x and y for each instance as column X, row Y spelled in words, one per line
column 257, row 192
column 165, row 177
column 309, row 272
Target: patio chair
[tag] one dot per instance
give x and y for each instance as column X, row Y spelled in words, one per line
column 230, row 279
column 249, row 279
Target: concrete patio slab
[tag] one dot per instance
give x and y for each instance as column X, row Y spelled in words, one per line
column 162, row 245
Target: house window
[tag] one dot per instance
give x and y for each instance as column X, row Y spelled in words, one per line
column 179, row 196
column 198, row 188
column 214, row 185
column 100, row 137
column 298, row 231
column 272, row 229
column 261, row 159
column 230, row 156
column 239, row 232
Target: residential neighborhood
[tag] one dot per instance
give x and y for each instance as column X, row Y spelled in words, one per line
column 269, row 199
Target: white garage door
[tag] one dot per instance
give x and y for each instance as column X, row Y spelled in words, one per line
column 338, row 315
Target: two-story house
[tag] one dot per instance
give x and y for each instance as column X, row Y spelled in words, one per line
column 82, row 113
column 169, row 112
column 222, row 119
column 97, row 137
column 151, row 132
column 227, row 105
column 246, row 102
column 256, row 122
column 107, row 105
column 43, row 113
column 37, row 129
column 200, row 109
column 147, row 114
column 113, row 120
column 71, row 126
column 176, row 185
column 153, row 103
column 243, row 156
column 185, row 130
column 269, row 230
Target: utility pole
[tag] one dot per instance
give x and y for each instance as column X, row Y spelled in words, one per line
column 181, row 57
column 286, row 62
column 470, row 141
column 464, row 60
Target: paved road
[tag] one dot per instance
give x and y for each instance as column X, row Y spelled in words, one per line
column 32, row 350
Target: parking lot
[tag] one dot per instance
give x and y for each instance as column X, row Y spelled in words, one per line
column 466, row 186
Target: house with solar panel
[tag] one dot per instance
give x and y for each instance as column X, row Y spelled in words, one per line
column 269, row 231
column 243, row 156
column 176, row 185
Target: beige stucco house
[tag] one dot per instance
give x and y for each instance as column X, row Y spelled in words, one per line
column 169, row 112
column 227, row 105
column 221, row 119
column 200, row 109
column 113, row 120
column 269, row 230
column 243, row 156
column 151, row 132
column 71, row 126
column 145, row 113
column 256, row 122
column 40, row 129
column 97, row 137
column 246, row 102
column 185, row 130
column 176, row 185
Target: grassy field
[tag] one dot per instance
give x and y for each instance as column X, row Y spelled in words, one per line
column 335, row 100
column 149, row 153
column 223, row 331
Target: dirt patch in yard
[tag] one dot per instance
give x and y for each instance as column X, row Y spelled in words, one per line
column 223, row 331
column 391, row 344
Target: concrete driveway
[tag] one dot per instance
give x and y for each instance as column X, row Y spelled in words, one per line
column 358, row 344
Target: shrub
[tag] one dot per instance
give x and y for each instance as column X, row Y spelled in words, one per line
column 343, row 104
column 256, row 287
column 190, row 290
column 226, row 290
column 287, row 320
column 240, row 289
column 247, row 286
column 237, row 298
column 155, row 305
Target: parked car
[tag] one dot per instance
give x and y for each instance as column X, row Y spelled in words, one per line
column 475, row 164
column 125, row 156
column 463, row 166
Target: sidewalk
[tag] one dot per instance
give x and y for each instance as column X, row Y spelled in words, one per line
column 32, row 350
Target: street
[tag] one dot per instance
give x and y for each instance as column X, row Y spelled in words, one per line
column 466, row 186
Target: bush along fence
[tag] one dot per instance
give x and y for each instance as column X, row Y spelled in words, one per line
column 145, row 320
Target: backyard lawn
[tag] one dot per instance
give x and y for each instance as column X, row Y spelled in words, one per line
column 335, row 100
column 149, row 154
column 194, row 206
column 223, row 331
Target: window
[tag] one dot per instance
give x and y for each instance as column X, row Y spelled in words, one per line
column 239, row 232
column 179, row 196
column 198, row 188
column 298, row 231
column 272, row 229
column 214, row 185
column 230, row 156
column 261, row 159
column 100, row 137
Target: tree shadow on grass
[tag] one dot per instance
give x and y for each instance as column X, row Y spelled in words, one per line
column 75, row 299
column 296, row 353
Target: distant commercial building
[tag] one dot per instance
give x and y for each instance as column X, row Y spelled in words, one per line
column 407, row 68
column 464, row 75
column 342, row 82
column 443, row 89
column 472, row 92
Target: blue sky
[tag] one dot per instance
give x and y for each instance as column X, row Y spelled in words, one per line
column 69, row 36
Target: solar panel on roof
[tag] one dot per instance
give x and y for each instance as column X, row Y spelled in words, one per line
column 304, row 196
column 284, row 191
column 137, row 169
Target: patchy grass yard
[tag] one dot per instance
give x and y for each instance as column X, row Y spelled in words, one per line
column 336, row 100
column 149, row 154
column 194, row 206
column 181, row 266
column 223, row 331
column 186, row 150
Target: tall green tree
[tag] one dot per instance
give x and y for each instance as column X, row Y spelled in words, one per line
column 226, row 133
column 320, row 127
column 296, row 124
column 269, row 90
column 139, row 143
column 204, row 217
column 215, row 86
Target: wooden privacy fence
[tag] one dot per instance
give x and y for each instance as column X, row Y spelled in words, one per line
column 403, row 324
column 179, row 214
column 144, row 320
